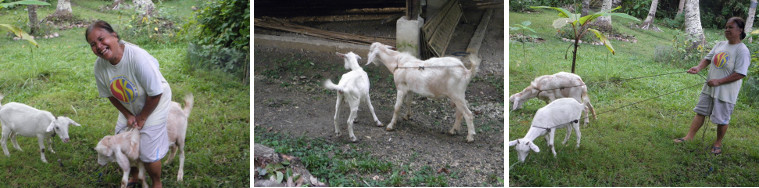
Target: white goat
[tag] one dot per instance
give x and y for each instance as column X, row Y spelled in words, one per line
column 353, row 88
column 176, row 126
column 124, row 148
column 435, row 77
column 551, row 87
column 558, row 114
column 24, row 120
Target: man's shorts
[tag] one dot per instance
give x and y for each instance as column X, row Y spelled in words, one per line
column 718, row 111
column 154, row 141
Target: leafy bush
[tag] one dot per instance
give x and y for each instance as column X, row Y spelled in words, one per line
column 220, row 35
column 750, row 87
column 637, row 8
column 674, row 23
column 149, row 30
column 677, row 53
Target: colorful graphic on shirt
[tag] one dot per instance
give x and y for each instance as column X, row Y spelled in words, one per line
column 720, row 60
column 123, row 89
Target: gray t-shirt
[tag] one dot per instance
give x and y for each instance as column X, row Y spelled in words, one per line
column 130, row 81
column 727, row 59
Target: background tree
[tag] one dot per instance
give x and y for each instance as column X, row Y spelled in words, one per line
column 604, row 22
column 649, row 21
column 693, row 24
column 585, row 7
column 680, row 8
column 63, row 10
column 145, row 6
column 750, row 19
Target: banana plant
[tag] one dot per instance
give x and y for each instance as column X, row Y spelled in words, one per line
column 15, row 30
column 580, row 26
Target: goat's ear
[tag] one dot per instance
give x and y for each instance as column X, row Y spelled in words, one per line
column 513, row 142
column 533, row 147
column 50, row 127
column 339, row 54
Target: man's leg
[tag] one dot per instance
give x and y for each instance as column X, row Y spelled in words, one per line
column 695, row 125
column 721, row 130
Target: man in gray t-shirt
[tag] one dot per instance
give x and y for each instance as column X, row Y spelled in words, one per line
column 728, row 63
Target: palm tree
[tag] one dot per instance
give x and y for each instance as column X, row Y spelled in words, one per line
column 693, row 24
column 63, row 10
column 649, row 21
column 750, row 19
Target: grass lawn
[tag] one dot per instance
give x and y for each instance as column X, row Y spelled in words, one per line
column 58, row 77
column 631, row 146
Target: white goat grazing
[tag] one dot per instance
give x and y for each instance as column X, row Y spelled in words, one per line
column 551, row 87
column 176, row 126
column 435, row 77
column 124, row 148
column 353, row 88
column 21, row 119
column 557, row 114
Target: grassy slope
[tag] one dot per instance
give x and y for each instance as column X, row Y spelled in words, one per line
column 631, row 146
column 57, row 77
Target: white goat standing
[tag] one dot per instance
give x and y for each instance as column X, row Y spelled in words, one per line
column 24, row 120
column 353, row 88
column 176, row 126
column 435, row 77
column 551, row 87
column 558, row 114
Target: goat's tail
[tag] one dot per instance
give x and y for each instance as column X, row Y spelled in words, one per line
column 329, row 85
column 188, row 101
column 475, row 61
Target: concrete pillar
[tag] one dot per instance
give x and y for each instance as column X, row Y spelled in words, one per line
column 407, row 35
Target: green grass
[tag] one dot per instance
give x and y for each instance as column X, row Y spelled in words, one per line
column 57, row 77
column 631, row 146
column 338, row 166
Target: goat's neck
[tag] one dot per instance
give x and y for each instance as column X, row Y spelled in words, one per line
column 389, row 59
column 534, row 133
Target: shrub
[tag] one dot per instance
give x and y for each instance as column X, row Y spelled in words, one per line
column 220, row 35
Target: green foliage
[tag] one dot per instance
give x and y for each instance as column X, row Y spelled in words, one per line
column 220, row 36
column 580, row 25
column 337, row 165
column 674, row 23
column 635, row 148
column 11, row 4
column 677, row 52
column 637, row 8
column 149, row 29
column 714, row 14
column 19, row 33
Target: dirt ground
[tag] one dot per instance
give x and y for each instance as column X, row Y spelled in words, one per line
column 288, row 97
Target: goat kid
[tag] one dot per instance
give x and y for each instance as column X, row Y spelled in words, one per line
column 435, row 77
column 353, row 88
column 551, row 87
column 560, row 113
column 24, row 120
column 124, row 148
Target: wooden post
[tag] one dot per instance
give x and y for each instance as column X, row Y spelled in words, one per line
column 412, row 9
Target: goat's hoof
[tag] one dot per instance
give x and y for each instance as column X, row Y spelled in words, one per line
column 354, row 139
column 469, row 139
column 389, row 128
column 379, row 124
column 452, row 132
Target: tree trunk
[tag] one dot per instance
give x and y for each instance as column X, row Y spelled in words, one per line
column 63, row 9
column 34, row 24
column 585, row 7
column 750, row 19
column 648, row 22
column 604, row 22
column 680, row 8
column 116, row 4
column 693, row 23
column 144, row 6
